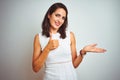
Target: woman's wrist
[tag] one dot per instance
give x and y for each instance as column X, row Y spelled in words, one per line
column 82, row 52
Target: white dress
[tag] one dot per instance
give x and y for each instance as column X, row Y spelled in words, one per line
column 58, row 65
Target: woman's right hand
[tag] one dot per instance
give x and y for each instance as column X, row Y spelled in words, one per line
column 53, row 43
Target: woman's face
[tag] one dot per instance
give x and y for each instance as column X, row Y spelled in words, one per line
column 57, row 18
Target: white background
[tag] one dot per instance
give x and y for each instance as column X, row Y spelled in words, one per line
column 92, row 21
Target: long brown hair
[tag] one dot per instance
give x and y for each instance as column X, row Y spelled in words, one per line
column 46, row 23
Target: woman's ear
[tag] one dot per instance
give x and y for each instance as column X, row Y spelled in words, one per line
column 48, row 16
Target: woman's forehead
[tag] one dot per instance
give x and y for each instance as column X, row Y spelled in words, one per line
column 60, row 11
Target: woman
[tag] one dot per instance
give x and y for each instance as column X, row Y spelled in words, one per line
column 55, row 47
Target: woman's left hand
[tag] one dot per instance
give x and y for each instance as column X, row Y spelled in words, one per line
column 93, row 48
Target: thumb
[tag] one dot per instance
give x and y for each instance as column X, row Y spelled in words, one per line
column 93, row 45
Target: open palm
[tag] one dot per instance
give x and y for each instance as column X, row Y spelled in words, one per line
column 93, row 48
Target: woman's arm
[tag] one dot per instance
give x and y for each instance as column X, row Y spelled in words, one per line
column 75, row 59
column 39, row 56
column 89, row 48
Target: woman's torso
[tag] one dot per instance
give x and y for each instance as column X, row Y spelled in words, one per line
column 58, row 65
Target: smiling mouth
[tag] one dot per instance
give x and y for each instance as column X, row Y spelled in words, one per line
column 57, row 23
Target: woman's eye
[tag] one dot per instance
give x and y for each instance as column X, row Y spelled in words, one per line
column 63, row 18
column 57, row 15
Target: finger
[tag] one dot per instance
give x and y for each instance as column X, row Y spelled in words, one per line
column 100, row 50
column 56, row 42
column 93, row 45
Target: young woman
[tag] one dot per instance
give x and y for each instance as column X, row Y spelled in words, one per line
column 55, row 47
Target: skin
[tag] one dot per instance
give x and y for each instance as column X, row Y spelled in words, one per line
column 56, row 19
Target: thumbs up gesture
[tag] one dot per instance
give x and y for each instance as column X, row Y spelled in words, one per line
column 53, row 43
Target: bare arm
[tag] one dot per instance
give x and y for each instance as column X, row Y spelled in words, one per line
column 39, row 56
column 89, row 48
column 75, row 59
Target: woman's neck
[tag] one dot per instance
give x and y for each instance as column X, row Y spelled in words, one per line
column 53, row 31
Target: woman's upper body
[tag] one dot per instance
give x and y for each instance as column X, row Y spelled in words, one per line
column 67, row 47
column 62, row 53
column 56, row 21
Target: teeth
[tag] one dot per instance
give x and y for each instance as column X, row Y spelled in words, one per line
column 57, row 23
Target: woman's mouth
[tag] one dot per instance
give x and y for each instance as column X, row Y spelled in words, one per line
column 57, row 23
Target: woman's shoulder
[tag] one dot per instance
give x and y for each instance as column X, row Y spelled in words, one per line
column 37, row 36
column 36, row 39
column 70, row 32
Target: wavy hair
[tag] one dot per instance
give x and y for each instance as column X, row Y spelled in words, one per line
column 46, row 23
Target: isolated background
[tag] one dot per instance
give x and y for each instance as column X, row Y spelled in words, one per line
column 92, row 21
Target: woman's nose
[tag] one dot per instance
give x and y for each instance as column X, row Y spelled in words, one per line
column 60, row 19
